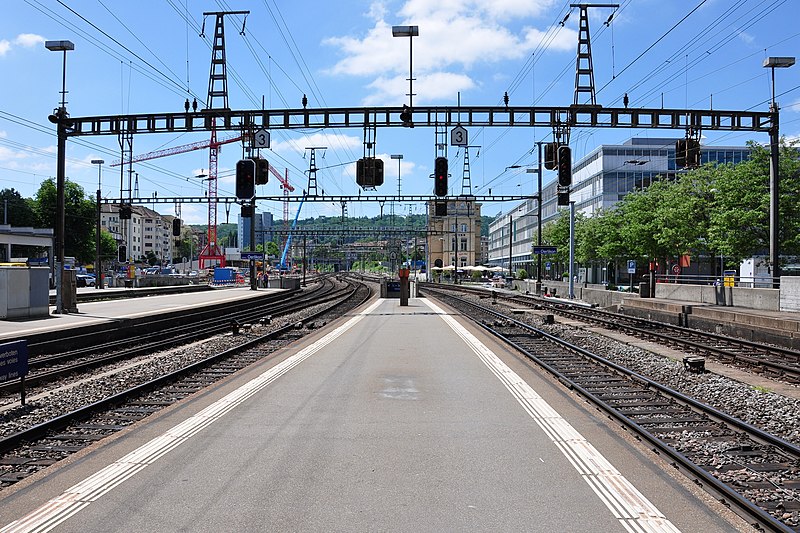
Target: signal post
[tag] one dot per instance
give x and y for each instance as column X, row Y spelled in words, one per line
column 404, row 286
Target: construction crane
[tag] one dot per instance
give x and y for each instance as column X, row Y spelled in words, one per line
column 287, row 188
column 199, row 145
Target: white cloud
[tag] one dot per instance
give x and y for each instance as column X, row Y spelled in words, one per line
column 746, row 37
column 28, row 40
column 25, row 40
column 435, row 86
column 7, row 155
column 329, row 140
column 454, row 35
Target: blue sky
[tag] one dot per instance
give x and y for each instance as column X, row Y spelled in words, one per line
column 147, row 56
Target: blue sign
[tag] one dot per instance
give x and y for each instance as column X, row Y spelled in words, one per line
column 545, row 250
column 13, row 360
column 252, row 255
column 547, row 265
column 631, row 266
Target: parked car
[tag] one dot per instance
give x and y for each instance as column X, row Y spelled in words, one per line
column 84, row 280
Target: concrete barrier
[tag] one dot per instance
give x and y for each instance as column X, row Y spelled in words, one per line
column 790, row 293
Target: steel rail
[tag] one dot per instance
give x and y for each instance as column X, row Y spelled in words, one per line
column 41, row 430
column 704, row 479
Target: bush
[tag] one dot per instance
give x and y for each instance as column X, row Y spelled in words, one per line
column 522, row 274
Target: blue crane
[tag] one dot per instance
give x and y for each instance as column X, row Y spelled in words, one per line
column 289, row 238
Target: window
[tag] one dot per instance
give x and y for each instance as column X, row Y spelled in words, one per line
column 463, row 245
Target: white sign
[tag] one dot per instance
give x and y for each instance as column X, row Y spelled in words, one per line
column 458, row 136
column 261, row 139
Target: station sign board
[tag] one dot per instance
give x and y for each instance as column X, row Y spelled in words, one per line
column 13, row 360
column 545, row 250
column 252, row 255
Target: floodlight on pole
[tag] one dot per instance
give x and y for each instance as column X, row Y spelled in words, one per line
column 59, row 117
column 774, row 177
column 410, row 32
column 98, row 269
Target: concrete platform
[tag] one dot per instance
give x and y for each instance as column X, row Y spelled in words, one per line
column 388, row 419
column 106, row 312
column 778, row 327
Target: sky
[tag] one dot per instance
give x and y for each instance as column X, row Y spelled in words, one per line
column 149, row 56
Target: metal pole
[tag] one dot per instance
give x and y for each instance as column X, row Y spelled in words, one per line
column 5, row 222
column 253, row 281
column 774, row 189
column 98, row 269
column 411, row 69
column 510, row 244
column 60, row 178
column 571, row 250
column 304, row 260
column 539, row 222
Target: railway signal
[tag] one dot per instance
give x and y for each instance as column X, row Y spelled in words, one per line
column 550, row 155
column 564, row 166
column 262, row 170
column 440, row 176
column 245, row 179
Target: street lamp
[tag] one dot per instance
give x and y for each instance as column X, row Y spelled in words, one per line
column 408, row 31
column 98, row 269
column 59, row 117
column 774, row 178
column 538, row 172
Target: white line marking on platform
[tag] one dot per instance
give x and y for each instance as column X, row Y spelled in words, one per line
column 633, row 510
column 93, row 487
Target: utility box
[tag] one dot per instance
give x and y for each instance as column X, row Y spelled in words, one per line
column 24, row 292
column 69, row 291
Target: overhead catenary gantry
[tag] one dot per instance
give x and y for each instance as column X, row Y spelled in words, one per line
column 432, row 116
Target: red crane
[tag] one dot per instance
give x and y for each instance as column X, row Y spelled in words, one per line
column 212, row 174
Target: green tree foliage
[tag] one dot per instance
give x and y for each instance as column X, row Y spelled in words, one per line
column 20, row 213
column 739, row 220
column 272, row 249
column 108, row 246
column 79, row 217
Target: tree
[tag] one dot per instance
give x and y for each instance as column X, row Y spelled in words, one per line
column 19, row 213
column 272, row 249
column 739, row 222
column 79, row 217
column 557, row 234
column 108, row 246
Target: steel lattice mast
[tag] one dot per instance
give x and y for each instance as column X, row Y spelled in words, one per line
column 217, row 101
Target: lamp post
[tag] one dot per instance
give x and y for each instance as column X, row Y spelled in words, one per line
column 98, row 269
column 538, row 172
column 774, row 177
column 410, row 32
column 59, row 117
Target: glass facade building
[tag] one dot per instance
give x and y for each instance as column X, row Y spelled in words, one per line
column 599, row 180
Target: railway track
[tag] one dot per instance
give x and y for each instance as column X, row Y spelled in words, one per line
column 752, row 471
column 63, row 433
column 773, row 361
column 162, row 333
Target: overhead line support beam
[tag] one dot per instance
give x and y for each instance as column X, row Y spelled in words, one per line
column 486, row 116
